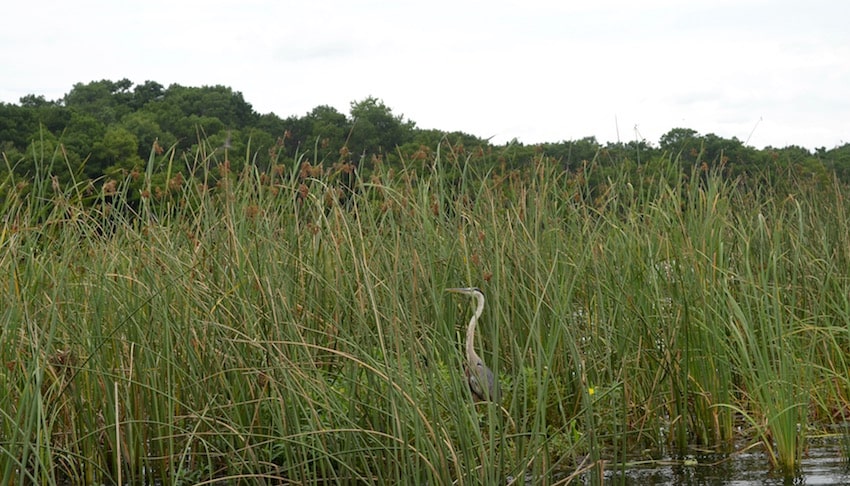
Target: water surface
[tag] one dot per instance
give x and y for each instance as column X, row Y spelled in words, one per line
column 822, row 464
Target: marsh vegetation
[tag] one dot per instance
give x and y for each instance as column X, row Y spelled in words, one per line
column 276, row 325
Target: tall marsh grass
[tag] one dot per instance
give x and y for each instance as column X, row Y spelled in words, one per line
column 272, row 325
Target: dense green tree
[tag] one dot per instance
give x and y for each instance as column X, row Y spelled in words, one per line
column 682, row 142
column 81, row 135
column 259, row 142
column 168, row 116
column 145, row 93
column 213, row 102
column 573, row 153
column 295, row 133
column 271, row 124
column 691, row 148
column 117, row 151
column 799, row 161
column 328, row 134
column 17, row 124
column 194, row 128
column 105, row 127
column 33, row 101
column 107, row 101
column 433, row 137
column 375, row 129
column 838, row 160
column 719, row 150
column 143, row 125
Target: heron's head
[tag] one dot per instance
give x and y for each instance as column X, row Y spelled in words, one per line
column 470, row 291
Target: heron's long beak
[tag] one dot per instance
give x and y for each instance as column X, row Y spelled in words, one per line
column 459, row 290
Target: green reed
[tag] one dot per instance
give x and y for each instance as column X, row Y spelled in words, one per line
column 199, row 323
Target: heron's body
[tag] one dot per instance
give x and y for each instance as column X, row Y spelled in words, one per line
column 481, row 380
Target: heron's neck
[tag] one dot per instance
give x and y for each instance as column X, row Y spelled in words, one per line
column 470, row 331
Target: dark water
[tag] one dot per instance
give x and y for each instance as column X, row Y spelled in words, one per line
column 822, row 464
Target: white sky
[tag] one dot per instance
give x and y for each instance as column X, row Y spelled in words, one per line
column 540, row 71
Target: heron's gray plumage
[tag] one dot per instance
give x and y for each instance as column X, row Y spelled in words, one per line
column 481, row 380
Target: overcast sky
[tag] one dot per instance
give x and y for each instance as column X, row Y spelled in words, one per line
column 767, row 72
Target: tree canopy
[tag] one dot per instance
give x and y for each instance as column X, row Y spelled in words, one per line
column 104, row 128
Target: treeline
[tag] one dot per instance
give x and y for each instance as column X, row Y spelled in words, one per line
column 109, row 129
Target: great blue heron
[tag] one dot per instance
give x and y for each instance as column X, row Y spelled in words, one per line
column 481, row 380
